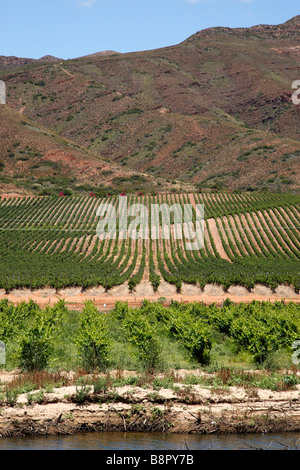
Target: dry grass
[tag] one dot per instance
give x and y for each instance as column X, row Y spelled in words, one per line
column 39, row 380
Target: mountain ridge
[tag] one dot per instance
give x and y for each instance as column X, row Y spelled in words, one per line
column 291, row 26
column 215, row 112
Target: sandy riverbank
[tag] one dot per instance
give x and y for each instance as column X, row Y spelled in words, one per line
column 178, row 409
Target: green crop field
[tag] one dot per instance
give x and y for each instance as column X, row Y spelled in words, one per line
column 249, row 238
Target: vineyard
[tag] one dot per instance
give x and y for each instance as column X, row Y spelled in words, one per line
column 249, row 239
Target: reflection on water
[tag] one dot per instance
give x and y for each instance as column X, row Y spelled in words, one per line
column 154, row 441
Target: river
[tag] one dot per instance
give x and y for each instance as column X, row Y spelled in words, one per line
column 154, row 441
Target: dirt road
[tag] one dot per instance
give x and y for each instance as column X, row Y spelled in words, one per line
column 76, row 299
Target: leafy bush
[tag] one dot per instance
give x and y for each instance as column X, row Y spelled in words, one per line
column 93, row 340
column 82, row 393
column 35, row 340
column 144, row 336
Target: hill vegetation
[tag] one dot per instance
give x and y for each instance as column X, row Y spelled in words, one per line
column 35, row 160
column 215, row 110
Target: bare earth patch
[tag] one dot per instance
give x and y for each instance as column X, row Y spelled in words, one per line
column 75, row 297
column 217, row 239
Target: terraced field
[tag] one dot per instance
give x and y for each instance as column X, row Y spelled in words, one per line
column 249, row 239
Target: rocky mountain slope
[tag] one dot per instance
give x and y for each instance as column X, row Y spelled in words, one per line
column 214, row 111
column 36, row 160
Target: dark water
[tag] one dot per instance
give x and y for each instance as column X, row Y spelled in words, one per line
column 154, row 441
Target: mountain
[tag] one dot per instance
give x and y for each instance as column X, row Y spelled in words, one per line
column 12, row 61
column 36, row 160
column 214, row 111
column 101, row 53
column 289, row 28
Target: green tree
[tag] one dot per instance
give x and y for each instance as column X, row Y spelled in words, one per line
column 35, row 340
column 144, row 336
column 93, row 340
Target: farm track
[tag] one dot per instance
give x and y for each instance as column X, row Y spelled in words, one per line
column 107, row 301
column 217, row 239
